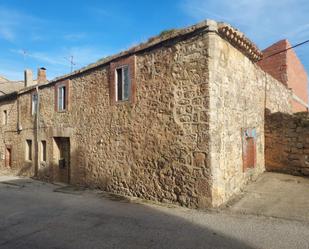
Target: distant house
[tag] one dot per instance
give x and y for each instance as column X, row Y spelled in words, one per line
column 288, row 69
column 179, row 118
column 8, row 86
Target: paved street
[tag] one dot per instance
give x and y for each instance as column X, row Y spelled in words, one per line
column 40, row 215
column 276, row 195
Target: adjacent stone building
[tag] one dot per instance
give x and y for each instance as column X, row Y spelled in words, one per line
column 177, row 119
column 287, row 143
column 8, row 86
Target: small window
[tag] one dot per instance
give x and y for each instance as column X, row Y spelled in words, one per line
column 62, row 95
column 5, row 117
column 122, row 83
column 34, row 101
column 43, row 151
column 28, row 150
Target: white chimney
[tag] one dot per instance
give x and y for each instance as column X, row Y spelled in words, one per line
column 28, row 78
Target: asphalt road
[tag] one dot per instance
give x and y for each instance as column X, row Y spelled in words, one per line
column 39, row 215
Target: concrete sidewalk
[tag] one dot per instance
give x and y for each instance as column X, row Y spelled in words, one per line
column 275, row 195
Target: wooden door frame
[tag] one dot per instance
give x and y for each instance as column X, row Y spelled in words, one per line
column 56, row 145
column 8, row 148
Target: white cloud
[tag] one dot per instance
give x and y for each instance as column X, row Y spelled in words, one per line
column 10, row 70
column 39, row 56
column 59, row 61
column 7, row 33
column 14, row 23
column 263, row 21
column 12, row 74
column 74, row 36
column 21, row 30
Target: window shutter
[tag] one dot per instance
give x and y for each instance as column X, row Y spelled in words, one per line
column 126, row 82
column 119, row 84
column 64, row 98
column 34, row 103
column 60, row 99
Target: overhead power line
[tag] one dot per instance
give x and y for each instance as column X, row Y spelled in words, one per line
column 279, row 52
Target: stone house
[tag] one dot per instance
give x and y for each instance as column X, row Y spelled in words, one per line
column 8, row 86
column 177, row 119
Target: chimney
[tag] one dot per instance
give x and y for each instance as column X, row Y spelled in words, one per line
column 28, row 79
column 42, row 75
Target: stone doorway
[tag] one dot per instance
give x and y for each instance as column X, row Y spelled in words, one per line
column 62, row 159
column 8, row 156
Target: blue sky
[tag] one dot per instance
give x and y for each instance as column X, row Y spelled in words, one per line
column 52, row 31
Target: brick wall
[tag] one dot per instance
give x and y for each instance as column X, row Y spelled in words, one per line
column 288, row 69
column 287, row 143
column 297, row 79
column 276, row 66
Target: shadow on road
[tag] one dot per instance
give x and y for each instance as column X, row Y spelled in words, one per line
column 33, row 216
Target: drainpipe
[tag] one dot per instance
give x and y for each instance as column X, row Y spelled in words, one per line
column 265, row 92
column 19, row 127
column 37, row 130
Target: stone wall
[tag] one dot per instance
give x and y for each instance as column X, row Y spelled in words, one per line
column 15, row 133
column 181, row 139
column 155, row 148
column 239, row 93
column 287, row 143
column 278, row 98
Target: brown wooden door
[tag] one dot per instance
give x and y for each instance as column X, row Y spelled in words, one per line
column 8, row 156
column 249, row 153
column 63, row 159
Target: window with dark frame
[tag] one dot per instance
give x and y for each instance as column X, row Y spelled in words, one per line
column 29, row 150
column 122, row 83
column 34, row 102
column 43, row 151
column 62, row 95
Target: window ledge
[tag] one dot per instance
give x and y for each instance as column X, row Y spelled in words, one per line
column 119, row 102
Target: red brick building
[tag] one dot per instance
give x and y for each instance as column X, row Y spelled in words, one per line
column 288, row 69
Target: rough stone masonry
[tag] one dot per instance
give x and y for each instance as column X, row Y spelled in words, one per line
column 287, row 143
column 190, row 132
